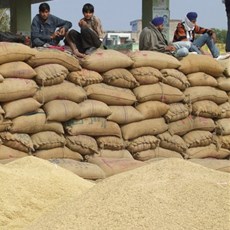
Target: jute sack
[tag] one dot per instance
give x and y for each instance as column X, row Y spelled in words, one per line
column 1, row 78
column 201, row 79
column 158, row 92
column 190, row 123
column 104, row 60
column 50, row 74
column 223, row 126
column 92, row 126
column 124, row 114
column 200, row 63
column 110, row 95
column 84, row 170
column 47, row 140
column 58, row 153
column 65, row 91
column 200, row 93
column 7, row 153
column 18, row 141
column 206, row 108
column 85, row 145
column 93, row 108
column 112, row 166
column 198, row 138
column 146, row 75
column 17, row 88
column 56, row 127
column 19, row 107
column 225, row 110
column 172, row 142
column 10, row 52
column 156, row 153
column 84, row 77
column 152, row 109
column 224, row 141
column 224, row 83
column 177, row 111
column 53, row 56
column 175, row 78
column 1, row 110
column 17, row 69
column 206, row 151
column 146, row 127
column 143, row 143
column 226, row 65
column 124, row 153
column 154, row 59
column 217, row 164
column 120, row 77
column 61, row 110
column 110, row 142
column 5, row 124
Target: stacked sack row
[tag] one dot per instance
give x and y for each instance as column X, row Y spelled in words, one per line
column 112, row 111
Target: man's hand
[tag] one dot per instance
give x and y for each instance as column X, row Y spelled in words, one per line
column 82, row 23
column 62, row 31
column 170, row 48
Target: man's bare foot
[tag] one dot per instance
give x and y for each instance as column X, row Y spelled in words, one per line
column 77, row 54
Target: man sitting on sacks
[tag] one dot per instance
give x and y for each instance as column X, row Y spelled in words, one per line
column 152, row 38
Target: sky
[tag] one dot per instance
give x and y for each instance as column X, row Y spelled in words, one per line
column 117, row 14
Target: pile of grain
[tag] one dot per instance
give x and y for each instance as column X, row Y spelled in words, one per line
column 30, row 186
column 167, row 194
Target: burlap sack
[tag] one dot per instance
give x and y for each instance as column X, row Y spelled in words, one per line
column 154, row 59
column 120, row 77
column 1, row 110
column 156, row 153
column 217, row 164
column 146, row 75
column 92, row 126
column 53, row 126
column 190, row 123
column 201, row 79
column 19, row 107
column 223, row 126
column 206, row 151
column 110, row 142
column 17, row 69
column 104, row 60
column 85, row 145
column 177, row 111
column 53, row 56
column 152, row 109
column 224, row 141
column 50, row 74
column 142, row 143
column 17, row 88
column 10, row 52
column 226, row 65
column 58, row 153
column 18, row 141
column 206, row 108
column 158, row 92
column 200, row 63
column 225, row 110
column 114, row 153
column 1, row 78
column 175, row 78
column 7, row 153
column 199, row 93
column 61, row 110
column 65, row 91
column 5, row 124
column 93, row 108
column 112, row 166
column 47, row 140
column 124, row 114
column 84, row 170
column 172, row 142
column 224, row 83
column 146, row 127
column 110, row 95
column 198, row 138
column 84, row 77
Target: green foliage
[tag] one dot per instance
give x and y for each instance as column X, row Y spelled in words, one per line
column 4, row 20
column 220, row 35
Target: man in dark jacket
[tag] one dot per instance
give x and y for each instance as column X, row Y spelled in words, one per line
column 227, row 7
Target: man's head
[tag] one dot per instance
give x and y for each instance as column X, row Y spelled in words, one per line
column 192, row 16
column 88, row 10
column 158, row 22
column 44, row 11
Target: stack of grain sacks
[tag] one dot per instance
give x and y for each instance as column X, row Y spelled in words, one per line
column 111, row 111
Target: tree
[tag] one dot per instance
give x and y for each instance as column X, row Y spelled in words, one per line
column 4, row 20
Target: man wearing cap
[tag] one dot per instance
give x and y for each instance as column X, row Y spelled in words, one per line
column 186, row 31
column 152, row 38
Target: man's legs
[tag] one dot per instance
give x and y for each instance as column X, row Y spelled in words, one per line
column 227, row 6
column 182, row 48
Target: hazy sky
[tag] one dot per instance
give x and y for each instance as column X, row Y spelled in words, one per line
column 117, row 14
